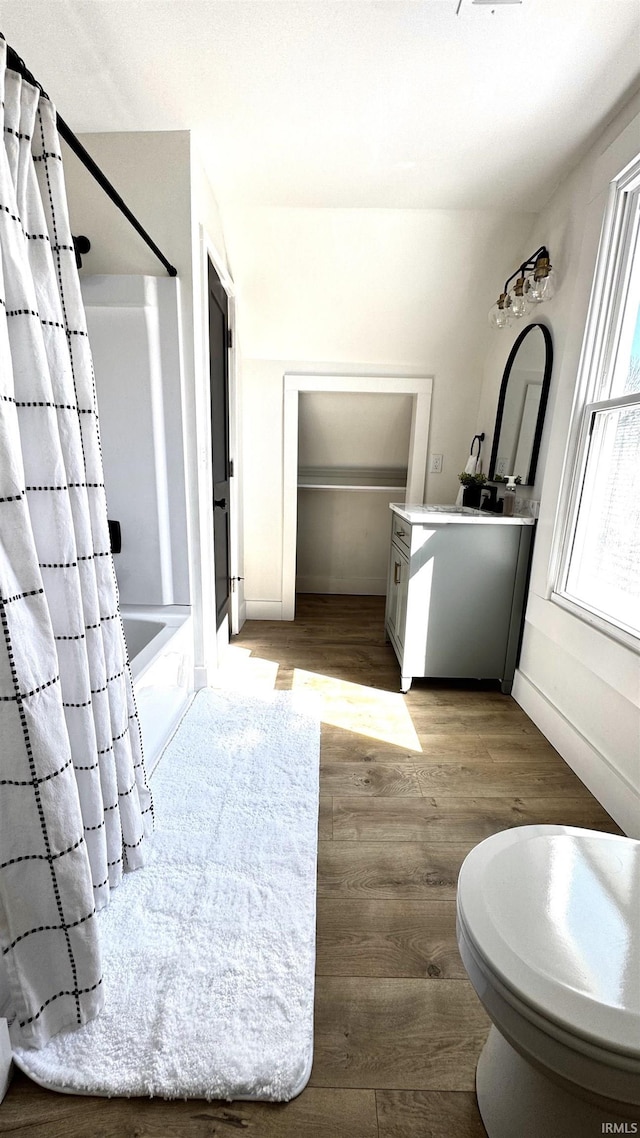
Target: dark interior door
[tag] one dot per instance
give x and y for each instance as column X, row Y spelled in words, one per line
column 219, row 377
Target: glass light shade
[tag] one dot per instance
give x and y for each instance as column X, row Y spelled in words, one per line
column 499, row 317
column 519, row 306
column 543, row 289
column 535, row 291
column 548, row 285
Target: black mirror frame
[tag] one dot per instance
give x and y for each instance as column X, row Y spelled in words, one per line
column 544, row 395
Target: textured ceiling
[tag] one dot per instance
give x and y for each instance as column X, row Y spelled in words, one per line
column 348, row 104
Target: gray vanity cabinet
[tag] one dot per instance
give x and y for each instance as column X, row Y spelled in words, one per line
column 455, row 592
column 398, row 583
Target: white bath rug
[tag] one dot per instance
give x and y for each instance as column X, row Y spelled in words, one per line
column 209, row 951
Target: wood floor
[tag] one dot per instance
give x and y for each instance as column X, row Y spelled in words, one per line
column 408, row 785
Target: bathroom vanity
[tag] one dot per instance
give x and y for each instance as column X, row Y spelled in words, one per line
column 456, row 591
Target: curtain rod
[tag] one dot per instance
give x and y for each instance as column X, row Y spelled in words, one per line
column 15, row 63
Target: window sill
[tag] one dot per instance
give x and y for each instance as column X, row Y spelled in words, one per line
column 613, row 631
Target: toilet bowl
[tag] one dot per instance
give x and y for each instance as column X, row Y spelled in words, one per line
column 548, row 921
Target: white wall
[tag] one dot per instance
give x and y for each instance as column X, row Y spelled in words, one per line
column 151, row 172
column 354, row 429
column 160, row 178
column 363, row 292
column 133, row 328
column 208, row 243
column 580, row 686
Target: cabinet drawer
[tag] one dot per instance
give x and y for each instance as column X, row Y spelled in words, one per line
column 401, row 533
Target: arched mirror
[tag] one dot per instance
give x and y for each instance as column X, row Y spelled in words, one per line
column 521, row 406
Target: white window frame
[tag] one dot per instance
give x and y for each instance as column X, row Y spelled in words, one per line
column 620, row 230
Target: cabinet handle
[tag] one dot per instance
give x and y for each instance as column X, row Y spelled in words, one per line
column 396, row 572
column 401, row 533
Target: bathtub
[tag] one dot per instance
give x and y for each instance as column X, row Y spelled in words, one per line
column 160, row 643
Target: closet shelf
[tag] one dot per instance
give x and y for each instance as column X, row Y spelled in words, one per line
column 352, row 478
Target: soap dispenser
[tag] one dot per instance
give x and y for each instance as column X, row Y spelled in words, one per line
column 509, row 504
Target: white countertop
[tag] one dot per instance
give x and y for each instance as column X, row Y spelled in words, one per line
column 446, row 515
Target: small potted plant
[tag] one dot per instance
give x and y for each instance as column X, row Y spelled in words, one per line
column 472, row 484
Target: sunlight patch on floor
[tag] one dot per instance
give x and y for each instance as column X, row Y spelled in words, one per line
column 240, row 671
column 366, row 711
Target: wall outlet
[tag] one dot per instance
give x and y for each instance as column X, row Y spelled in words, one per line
column 435, row 466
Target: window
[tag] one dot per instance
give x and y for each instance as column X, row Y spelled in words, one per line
column 599, row 574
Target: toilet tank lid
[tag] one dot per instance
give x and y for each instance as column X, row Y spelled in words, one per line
column 555, row 912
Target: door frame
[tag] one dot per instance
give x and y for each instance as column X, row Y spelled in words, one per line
column 214, row 643
column 218, row 306
column 419, row 387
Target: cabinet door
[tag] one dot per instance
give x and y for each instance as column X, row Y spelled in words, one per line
column 397, row 594
column 461, row 600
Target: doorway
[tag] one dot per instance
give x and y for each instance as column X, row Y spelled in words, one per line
column 419, row 388
column 221, row 467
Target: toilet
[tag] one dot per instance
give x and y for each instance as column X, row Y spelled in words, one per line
column 548, row 922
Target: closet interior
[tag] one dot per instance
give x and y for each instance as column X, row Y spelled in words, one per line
column 353, row 458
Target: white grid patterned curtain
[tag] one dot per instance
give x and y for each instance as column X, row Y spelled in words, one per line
column 75, row 809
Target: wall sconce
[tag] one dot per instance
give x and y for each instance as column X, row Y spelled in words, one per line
column 534, row 283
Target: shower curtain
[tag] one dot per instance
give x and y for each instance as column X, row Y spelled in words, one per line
column 75, row 809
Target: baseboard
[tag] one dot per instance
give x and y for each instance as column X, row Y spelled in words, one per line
column 618, row 796
column 264, row 610
column 352, row 586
